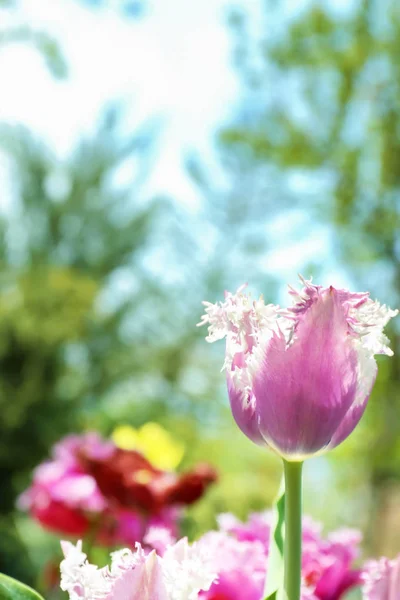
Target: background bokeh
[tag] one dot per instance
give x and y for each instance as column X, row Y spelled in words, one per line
column 152, row 154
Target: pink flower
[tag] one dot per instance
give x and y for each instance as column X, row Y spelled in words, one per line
column 180, row 574
column 63, row 497
column 382, row 580
column 241, row 550
column 240, row 567
column 327, row 564
column 299, row 379
column 67, row 499
column 256, row 528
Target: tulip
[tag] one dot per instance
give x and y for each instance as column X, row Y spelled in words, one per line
column 382, row 580
column 299, row 379
column 240, row 567
column 180, row 574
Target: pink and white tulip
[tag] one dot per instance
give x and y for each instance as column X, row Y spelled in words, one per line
column 182, row 572
column 382, row 580
column 299, row 378
column 240, row 567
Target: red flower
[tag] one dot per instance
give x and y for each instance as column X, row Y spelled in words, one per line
column 91, row 487
column 131, row 481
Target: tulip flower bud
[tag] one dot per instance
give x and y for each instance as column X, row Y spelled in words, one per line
column 299, row 378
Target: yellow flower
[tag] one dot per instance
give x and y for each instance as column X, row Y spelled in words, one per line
column 153, row 441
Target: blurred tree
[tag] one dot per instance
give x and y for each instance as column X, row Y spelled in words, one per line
column 44, row 43
column 321, row 105
column 68, row 232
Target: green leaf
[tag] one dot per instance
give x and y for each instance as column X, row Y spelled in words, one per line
column 274, row 581
column 11, row 589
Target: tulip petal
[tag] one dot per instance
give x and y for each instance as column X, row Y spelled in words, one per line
column 303, row 391
column 244, row 413
column 382, row 580
column 350, row 421
column 145, row 582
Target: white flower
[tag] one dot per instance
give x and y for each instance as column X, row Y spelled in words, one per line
column 180, row 574
column 81, row 579
column 187, row 570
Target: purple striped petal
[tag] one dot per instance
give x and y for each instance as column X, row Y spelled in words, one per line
column 350, row 420
column 244, row 412
column 144, row 582
column 382, row 580
column 304, row 391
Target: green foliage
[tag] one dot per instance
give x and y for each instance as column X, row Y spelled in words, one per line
column 40, row 313
column 47, row 307
column 274, row 582
column 10, row 589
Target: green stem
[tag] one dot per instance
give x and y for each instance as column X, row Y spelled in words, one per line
column 292, row 548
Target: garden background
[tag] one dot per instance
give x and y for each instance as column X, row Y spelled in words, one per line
column 152, row 154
